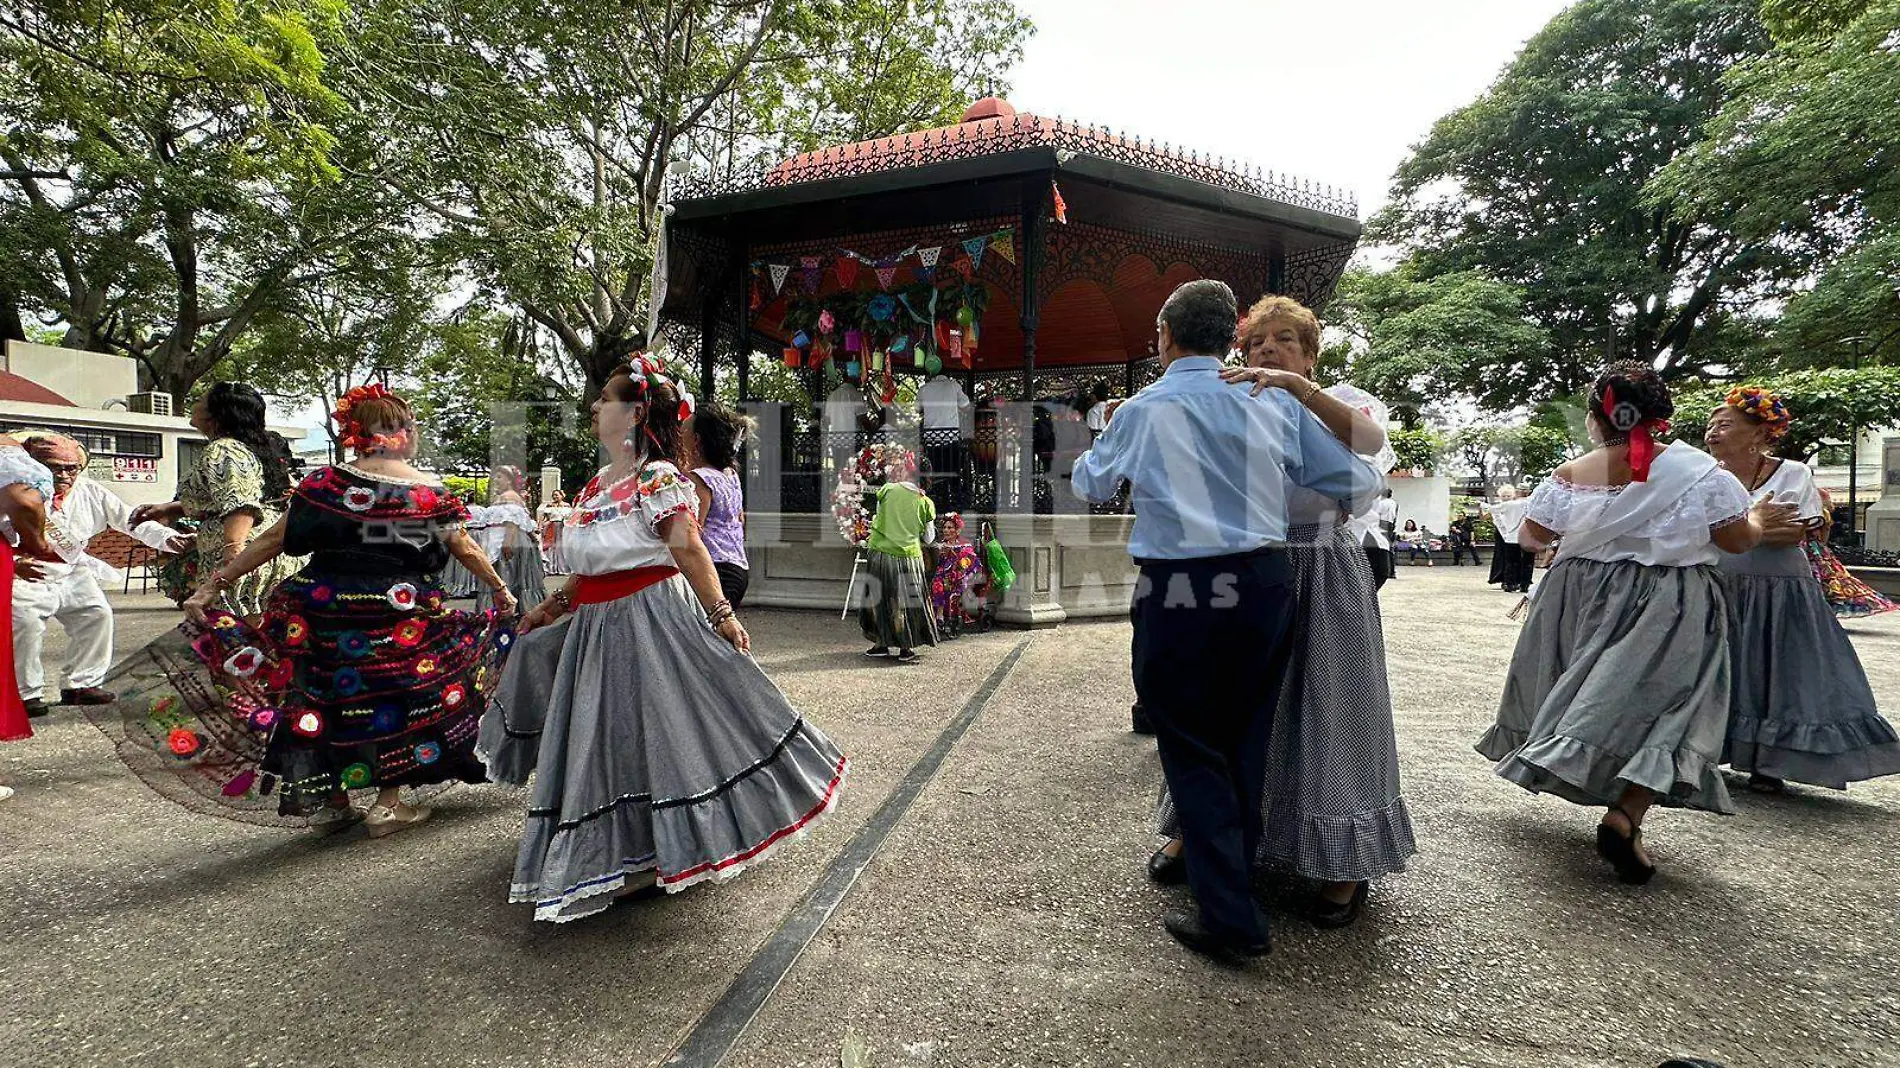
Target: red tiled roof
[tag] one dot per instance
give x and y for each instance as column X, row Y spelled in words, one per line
column 25, row 391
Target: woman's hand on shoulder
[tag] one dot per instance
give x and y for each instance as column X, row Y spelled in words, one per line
column 1263, row 379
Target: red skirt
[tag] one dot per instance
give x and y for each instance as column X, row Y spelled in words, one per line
column 14, row 725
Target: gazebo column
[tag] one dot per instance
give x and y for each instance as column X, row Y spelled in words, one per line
column 1030, row 538
column 742, row 318
column 1276, row 270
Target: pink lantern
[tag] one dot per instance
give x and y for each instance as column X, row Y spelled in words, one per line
column 854, row 341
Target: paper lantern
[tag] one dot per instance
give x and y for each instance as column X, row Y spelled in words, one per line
column 918, row 359
column 801, row 340
column 793, row 357
column 851, row 369
column 854, row 341
column 955, row 346
column 966, row 315
column 933, row 364
column 826, row 322
column 877, row 361
column 899, row 344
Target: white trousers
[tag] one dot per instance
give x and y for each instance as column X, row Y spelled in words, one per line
column 81, row 607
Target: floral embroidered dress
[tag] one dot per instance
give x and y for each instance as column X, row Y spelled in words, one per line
column 359, row 679
column 228, row 480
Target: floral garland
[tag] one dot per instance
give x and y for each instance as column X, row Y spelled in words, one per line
column 350, row 432
column 875, row 465
column 1764, row 406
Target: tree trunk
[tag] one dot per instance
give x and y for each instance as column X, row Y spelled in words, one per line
column 11, row 327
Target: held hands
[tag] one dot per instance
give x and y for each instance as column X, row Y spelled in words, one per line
column 505, row 602
column 1265, row 378
column 199, row 603
column 543, row 614
column 157, row 513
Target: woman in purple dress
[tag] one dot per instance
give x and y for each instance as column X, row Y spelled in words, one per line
column 712, row 438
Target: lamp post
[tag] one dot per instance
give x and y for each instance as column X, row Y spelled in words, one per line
column 1853, row 458
column 382, row 374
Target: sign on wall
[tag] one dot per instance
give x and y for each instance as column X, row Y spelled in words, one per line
column 124, row 469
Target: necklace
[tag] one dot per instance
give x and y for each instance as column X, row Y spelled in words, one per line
column 1755, row 480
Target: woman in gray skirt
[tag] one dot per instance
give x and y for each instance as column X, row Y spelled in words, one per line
column 1618, row 691
column 1334, row 810
column 1801, row 707
column 895, row 613
column 660, row 752
column 512, row 540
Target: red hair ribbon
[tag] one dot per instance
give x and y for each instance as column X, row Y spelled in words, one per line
column 1642, row 441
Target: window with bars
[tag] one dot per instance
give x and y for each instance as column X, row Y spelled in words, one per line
column 100, row 442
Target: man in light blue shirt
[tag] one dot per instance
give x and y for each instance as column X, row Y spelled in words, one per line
column 1209, row 467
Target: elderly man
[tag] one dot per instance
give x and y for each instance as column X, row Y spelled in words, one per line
column 69, row 590
column 1209, row 467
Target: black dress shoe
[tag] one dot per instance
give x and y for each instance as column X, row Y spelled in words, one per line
column 36, row 708
column 1186, row 928
column 1138, row 717
column 1168, row 870
column 1332, row 915
column 87, row 695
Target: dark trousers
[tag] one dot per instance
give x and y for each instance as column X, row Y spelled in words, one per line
column 733, row 581
column 1210, row 648
column 1383, row 565
column 1458, row 551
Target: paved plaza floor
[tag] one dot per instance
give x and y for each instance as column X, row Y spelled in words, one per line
column 1005, row 920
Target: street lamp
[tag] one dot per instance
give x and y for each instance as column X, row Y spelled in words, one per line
column 382, row 374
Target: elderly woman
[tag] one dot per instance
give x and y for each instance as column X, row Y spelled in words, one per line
column 1848, row 596
column 1334, row 810
column 236, row 492
column 358, row 678
column 895, row 614
column 1801, row 707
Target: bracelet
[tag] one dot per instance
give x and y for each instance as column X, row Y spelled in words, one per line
column 717, row 615
column 1311, row 388
column 563, row 598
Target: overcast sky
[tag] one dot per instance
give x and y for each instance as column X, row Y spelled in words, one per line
column 1331, row 90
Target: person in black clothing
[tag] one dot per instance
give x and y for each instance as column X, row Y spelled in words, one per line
column 1464, row 539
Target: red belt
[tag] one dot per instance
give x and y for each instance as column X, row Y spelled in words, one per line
column 599, row 589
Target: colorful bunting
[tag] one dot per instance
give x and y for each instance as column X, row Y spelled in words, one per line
column 813, row 272
column 974, row 248
column 886, row 276
column 928, row 256
column 779, row 272
column 848, row 271
column 1004, row 245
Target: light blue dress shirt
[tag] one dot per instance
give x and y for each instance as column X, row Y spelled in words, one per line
column 1210, row 465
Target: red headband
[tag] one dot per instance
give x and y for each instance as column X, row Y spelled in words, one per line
column 1641, row 430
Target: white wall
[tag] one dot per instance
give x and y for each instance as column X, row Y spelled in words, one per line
column 1426, row 499
column 88, row 379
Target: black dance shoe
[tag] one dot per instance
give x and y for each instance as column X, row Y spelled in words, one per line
column 1332, row 915
column 36, row 708
column 1187, row 929
column 1168, row 870
column 1138, row 720
column 1620, row 851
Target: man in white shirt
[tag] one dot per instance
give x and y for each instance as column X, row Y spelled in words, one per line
column 948, row 426
column 1374, row 528
column 1097, row 418
column 69, row 591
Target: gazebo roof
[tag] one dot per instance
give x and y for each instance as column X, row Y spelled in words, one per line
column 994, row 139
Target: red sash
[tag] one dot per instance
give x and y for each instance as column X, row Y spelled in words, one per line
column 599, row 589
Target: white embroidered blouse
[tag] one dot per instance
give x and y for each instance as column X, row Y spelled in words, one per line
column 16, row 465
column 1678, row 535
column 616, row 526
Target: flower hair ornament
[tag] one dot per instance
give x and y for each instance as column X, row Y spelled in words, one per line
column 1626, row 418
column 350, row 431
column 1764, row 407
column 648, row 375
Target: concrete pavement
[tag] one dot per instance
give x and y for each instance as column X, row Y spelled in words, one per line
column 1005, row 921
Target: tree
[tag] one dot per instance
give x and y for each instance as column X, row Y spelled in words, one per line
column 1541, row 184
column 167, row 181
column 1418, row 448
column 1828, row 405
column 551, row 126
column 1413, row 339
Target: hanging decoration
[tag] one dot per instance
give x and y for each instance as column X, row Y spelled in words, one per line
column 847, row 268
column 1062, row 207
column 813, row 272
column 1004, row 245
column 974, row 248
column 882, row 308
column 779, row 273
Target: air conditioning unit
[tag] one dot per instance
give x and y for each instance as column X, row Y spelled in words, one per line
column 150, row 403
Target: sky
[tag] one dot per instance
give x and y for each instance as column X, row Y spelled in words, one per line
column 1335, row 91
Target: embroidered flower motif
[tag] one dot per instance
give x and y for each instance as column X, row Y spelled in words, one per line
column 453, row 695
column 433, row 600
column 387, row 719
column 356, row 776
column 402, row 595
column 163, row 706
column 226, row 623
column 280, row 674
column 321, row 594
column 323, row 478
column 245, row 662
column 307, row 724
column 183, row 743
column 347, row 681
column 424, row 498
column 428, row 753
column 263, row 719
column 359, row 498
column 295, row 630
column 426, row 666
column 504, row 638
column 353, row 644
column 206, row 646
column 409, row 633
column 240, row 785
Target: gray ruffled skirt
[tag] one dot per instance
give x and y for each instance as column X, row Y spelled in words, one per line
column 653, row 746
column 1620, row 678
column 459, row 582
column 894, row 602
column 1801, row 707
column 523, row 576
column 1333, row 810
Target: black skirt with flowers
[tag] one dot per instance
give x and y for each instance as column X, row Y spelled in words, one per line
column 360, row 677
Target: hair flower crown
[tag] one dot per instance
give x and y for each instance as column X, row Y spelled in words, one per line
column 1764, row 406
column 349, row 428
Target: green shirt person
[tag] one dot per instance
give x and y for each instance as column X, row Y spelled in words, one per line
column 903, row 514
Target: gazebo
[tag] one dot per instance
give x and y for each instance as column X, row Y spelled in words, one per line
column 1024, row 257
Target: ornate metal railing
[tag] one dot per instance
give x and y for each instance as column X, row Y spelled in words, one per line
column 989, row 137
